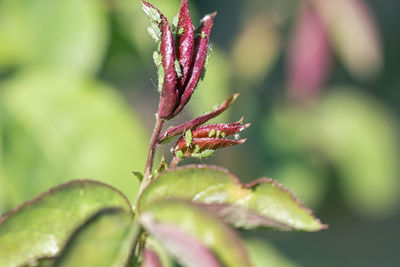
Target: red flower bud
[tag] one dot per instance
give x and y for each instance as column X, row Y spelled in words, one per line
column 180, row 129
column 192, row 52
column 221, row 129
column 207, row 139
column 185, row 37
column 169, row 92
column 199, row 57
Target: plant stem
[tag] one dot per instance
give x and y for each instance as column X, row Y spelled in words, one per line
column 174, row 162
column 150, row 157
column 137, row 231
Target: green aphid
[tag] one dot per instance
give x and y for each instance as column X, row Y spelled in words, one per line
column 178, row 68
column 181, row 30
column 175, row 21
column 157, row 58
column 205, row 154
column 218, row 133
column 196, row 149
column 223, row 135
column 211, row 134
column 188, row 138
column 161, row 76
column 152, row 13
column 203, row 35
column 154, row 32
column 203, row 73
column 179, row 154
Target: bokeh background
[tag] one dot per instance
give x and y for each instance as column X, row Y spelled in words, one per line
column 319, row 81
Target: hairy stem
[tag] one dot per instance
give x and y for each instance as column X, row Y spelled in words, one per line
column 175, row 161
column 150, row 157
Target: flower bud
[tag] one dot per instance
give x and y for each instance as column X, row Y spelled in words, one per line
column 199, row 57
column 180, row 129
column 203, row 141
column 185, row 40
column 169, row 92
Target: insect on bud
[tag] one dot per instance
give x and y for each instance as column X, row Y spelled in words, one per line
column 182, row 66
column 203, row 141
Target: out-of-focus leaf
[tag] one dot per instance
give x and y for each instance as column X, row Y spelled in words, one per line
column 104, row 240
column 263, row 254
column 71, row 34
column 354, row 134
column 260, row 203
column 165, row 259
column 214, row 88
column 308, row 181
column 256, row 48
column 150, row 259
column 353, row 31
column 360, row 137
column 133, row 21
column 58, row 127
column 193, row 235
column 309, row 55
column 40, row 227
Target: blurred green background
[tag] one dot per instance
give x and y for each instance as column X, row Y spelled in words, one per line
column 78, row 97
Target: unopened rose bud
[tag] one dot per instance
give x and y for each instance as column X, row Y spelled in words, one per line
column 169, row 91
column 178, row 75
column 203, row 141
column 200, row 54
column 180, row 129
column 185, row 37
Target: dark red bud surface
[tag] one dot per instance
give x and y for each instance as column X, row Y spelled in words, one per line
column 199, row 58
column 169, row 93
column 180, row 129
column 185, row 37
column 221, row 129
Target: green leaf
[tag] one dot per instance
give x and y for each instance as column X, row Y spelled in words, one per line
column 263, row 202
column 67, row 34
column 104, row 240
column 40, row 227
column 190, row 232
column 263, row 254
column 354, row 134
column 57, row 127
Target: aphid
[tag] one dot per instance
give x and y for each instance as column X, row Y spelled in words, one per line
column 161, row 76
column 175, row 21
column 203, row 35
column 157, row 58
column 237, row 136
column 218, row 133
column 212, row 132
column 178, row 68
column 181, row 30
column 154, row 32
column 196, row 149
column 223, row 135
column 152, row 13
column 205, row 154
column 188, row 138
column 179, row 154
